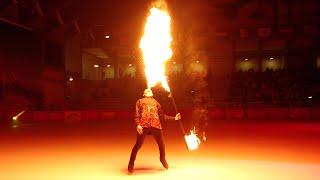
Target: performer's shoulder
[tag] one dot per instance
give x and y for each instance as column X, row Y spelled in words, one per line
column 141, row 100
column 157, row 102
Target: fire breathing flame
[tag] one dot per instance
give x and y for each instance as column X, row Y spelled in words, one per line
column 192, row 140
column 155, row 46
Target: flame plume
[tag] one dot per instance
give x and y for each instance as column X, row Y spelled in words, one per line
column 155, row 45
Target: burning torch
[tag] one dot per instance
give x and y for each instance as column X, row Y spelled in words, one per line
column 155, row 45
column 192, row 140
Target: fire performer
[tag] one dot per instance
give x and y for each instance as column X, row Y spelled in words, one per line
column 147, row 118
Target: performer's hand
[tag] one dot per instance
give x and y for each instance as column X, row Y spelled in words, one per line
column 177, row 117
column 139, row 129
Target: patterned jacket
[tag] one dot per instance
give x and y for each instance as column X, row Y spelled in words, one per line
column 149, row 113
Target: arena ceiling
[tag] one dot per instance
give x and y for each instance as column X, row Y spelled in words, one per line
column 100, row 15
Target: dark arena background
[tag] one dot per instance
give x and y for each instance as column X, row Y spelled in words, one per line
column 72, row 70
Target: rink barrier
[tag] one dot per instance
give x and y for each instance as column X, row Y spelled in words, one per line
column 214, row 114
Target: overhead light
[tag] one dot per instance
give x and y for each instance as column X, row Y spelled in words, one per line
column 310, row 97
column 174, row 62
column 197, row 61
column 102, row 56
column 108, row 65
column 96, row 66
column 107, row 37
column 271, row 58
column 70, row 79
column 246, row 59
column 130, row 65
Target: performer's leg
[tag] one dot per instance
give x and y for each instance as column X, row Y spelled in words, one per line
column 135, row 149
column 158, row 136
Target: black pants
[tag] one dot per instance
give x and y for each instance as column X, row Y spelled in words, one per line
column 157, row 134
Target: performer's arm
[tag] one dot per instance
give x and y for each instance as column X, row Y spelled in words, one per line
column 137, row 113
column 137, row 118
column 165, row 117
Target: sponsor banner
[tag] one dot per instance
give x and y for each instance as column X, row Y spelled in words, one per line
column 217, row 114
column 257, row 113
column 91, row 115
column 234, row 114
column 40, row 116
column 56, row 116
column 107, row 115
column 72, row 116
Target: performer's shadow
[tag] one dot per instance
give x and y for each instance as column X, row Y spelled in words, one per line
column 145, row 170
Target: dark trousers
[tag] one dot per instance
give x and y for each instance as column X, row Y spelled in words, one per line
column 157, row 134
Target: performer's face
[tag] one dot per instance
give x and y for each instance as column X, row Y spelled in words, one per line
column 148, row 93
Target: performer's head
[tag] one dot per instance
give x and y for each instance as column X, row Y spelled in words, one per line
column 147, row 93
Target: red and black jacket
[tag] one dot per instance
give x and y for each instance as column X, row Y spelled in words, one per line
column 149, row 113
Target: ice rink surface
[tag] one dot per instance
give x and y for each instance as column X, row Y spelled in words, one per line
column 100, row 151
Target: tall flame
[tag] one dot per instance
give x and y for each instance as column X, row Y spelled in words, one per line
column 155, row 45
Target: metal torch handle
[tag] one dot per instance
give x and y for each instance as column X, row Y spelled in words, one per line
column 176, row 109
